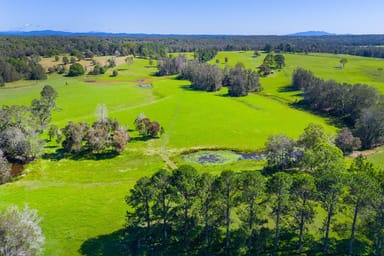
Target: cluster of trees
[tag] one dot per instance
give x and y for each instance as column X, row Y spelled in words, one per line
column 207, row 77
column 271, row 61
column 148, row 128
column 20, row 232
column 171, row 66
column 240, row 80
column 203, row 76
column 104, row 134
column 13, row 69
column 262, row 213
column 359, row 105
column 156, row 46
column 204, row 55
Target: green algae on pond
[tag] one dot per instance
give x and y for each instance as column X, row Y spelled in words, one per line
column 220, row 157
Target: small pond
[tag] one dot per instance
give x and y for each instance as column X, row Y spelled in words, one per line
column 219, row 157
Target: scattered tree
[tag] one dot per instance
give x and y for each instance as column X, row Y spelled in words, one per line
column 20, row 233
column 343, row 61
column 76, row 69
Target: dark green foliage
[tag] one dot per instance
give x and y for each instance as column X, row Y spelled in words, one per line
column 363, row 193
column 13, row 69
column 204, row 55
column 270, row 63
column 264, row 70
column 343, row 61
column 252, row 186
column 303, row 192
column 358, row 105
column 329, row 184
column 153, row 50
column 97, row 70
column 184, row 212
column 279, row 60
column 37, row 73
column 115, row 73
column 279, row 186
column 227, row 194
column 76, row 69
column 242, row 81
column 42, row 108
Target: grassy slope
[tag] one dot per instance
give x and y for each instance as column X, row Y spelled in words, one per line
column 81, row 199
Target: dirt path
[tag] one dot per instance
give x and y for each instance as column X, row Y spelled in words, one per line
column 365, row 153
column 169, row 162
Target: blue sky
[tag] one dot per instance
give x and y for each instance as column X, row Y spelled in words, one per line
column 195, row 17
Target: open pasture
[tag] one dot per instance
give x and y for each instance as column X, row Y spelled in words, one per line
column 81, row 199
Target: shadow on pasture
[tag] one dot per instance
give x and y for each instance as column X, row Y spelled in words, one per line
column 289, row 88
column 86, row 155
column 143, row 138
column 187, row 88
column 83, row 155
column 331, row 120
column 111, row 244
column 55, row 156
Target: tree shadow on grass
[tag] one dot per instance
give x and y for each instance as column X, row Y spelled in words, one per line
column 111, row 244
column 83, row 155
column 330, row 119
column 55, row 156
column 290, row 88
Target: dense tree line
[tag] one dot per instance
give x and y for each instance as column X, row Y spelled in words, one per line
column 48, row 46
column 18, row 55
column 185, row 212
column 359, row 106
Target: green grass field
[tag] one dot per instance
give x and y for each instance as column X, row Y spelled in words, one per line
column 83, row 199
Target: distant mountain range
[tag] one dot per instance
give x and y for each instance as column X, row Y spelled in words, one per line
column 107, row 34
column 312, row 33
